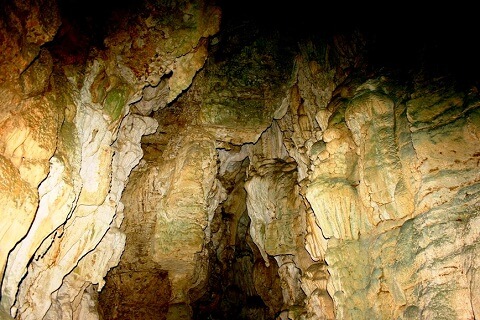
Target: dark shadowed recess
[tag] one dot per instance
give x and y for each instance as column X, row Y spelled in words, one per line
column 93, row 15
column 439, row 39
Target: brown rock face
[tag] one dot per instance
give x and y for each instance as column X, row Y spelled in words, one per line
column 135, row 294
column 192, row 160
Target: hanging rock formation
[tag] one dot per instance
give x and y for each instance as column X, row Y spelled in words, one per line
column 182, row 160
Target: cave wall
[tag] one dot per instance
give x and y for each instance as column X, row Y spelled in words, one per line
column 181, row 171
column 69, row 141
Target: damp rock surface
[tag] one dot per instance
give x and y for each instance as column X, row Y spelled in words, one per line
column 208, row 160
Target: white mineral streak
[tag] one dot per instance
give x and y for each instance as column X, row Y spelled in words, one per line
column 57, row 198
column 84, row 229
column 94, row 266
column 103, row 147
column 76, row 298
column 18, row 203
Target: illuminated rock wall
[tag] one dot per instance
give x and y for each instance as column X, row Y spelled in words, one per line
column 184, row 168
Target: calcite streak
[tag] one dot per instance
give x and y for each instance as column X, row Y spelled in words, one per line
column 66, row 229
column 57, row 199
column 83, row 231
column 77, row 297
column 18, row 203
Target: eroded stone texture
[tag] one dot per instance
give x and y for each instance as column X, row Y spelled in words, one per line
column 180, row 220
column 421, row 270
column 281, row 179
column 24, row 27
column 370, row 117
column 67, row 130
column 168, row 207
column 364, row 177
column 244, row 86
column 18, row 204
column 272, row 208
column 404, row 272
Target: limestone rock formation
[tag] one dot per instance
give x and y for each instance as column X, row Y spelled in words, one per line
column 69, row 142
column 195, row 160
